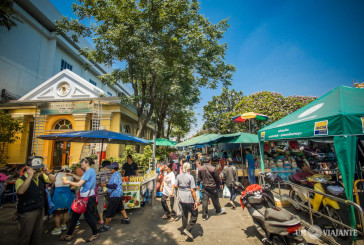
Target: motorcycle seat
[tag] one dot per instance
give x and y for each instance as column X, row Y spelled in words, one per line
column 280, row 218
column 274, row 215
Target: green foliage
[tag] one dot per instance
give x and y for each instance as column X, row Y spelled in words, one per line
column 169, row 49
column 219, row 109
column 272, row 104
column 142, row 159
column 8, row 15
column 9, row 128
column 218, row 113
column 163, row 152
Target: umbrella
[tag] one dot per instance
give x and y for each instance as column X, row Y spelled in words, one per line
column 250, row 115
column 96, row 136
column 200, row 140
column 241, row 138
column 164, row 142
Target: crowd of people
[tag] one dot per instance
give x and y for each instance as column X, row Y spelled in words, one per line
column 41, row 193
column 102, row 189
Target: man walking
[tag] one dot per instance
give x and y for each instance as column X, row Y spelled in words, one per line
column 209, row 177
column 32, row 200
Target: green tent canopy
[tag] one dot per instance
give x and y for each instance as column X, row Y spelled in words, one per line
column 240, row 138
column 164, row 142
column 200, row 140
column 338, row 114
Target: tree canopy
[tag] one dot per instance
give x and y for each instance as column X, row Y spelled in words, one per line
column 163, row 43
column 272, row 104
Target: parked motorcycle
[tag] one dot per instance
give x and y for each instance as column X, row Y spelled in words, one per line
column 277, row 227
column 318, row 202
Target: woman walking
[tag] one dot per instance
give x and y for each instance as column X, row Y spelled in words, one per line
column 167, row 185
column 87, row 183
column 230, row 175
column 187, row 198
column 115, row 202
column 62, row 199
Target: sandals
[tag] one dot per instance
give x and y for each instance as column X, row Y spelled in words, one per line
column 94, row 237
column 165, row 217
column 66, row 238
column 171, row 219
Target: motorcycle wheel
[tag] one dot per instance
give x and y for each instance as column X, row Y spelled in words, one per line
column 295, row 197
column 277, row 240
column 334, row 214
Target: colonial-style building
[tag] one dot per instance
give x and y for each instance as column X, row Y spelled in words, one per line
column 67, row 102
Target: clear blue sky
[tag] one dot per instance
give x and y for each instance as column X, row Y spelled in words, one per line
column 305, row 47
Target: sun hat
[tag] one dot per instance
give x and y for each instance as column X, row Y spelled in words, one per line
column 113, row 165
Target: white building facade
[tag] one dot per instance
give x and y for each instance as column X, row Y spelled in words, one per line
column 32, row 52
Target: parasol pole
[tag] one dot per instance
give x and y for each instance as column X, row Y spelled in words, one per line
column 242, row 162
column 100, row 154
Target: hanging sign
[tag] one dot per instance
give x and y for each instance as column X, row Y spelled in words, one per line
column 362, row 123
column 321, row 128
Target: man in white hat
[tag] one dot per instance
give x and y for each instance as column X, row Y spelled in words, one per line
column 32, row 200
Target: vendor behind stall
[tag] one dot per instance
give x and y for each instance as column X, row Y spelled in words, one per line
column 306, row 172
column 130, row 168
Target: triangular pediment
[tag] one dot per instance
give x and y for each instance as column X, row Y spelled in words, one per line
column 64, row 85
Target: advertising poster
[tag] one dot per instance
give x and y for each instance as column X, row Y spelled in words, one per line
column 262, row 136
column 362, row 122
column 321, row 128
column 131, row 195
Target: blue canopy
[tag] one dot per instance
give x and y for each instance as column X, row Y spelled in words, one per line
column 96, row 136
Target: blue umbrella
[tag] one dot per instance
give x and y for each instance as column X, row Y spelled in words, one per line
column 96, row 136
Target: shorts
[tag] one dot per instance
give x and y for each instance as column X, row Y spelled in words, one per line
column 114, row 205
column 60, row 211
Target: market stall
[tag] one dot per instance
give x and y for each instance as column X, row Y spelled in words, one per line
column 339, row 116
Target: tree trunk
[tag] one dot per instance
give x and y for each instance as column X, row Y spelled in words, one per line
column 168, row 129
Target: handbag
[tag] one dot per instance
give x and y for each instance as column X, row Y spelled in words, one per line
column 79, row 204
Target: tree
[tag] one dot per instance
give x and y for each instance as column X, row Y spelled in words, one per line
column 180, row 123
column 154, row 39
column 8, row 15
column 9, row 128
column 219, row 110
column 272, row 104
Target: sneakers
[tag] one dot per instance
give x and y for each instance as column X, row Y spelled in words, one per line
column 104, row 228
column 205, row 218
column 125, row 221
column 64, row 227
column 222, row 212
column 56, row 232
column 78, row 222
column 186, row 232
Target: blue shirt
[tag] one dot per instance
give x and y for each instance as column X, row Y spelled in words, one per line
column 116, row 179
column 90, row 177
column 250, row 160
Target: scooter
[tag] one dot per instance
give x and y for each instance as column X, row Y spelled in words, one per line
column 319, row 203
column 276, row 227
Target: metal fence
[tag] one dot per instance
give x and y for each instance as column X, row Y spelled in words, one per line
column 309, row 208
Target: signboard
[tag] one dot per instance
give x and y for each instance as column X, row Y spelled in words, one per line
column 262, row 136
column 362, row 123
column 66, row 108
column 131, row 195
column 321, row 128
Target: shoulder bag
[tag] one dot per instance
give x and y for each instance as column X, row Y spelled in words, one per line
column 79, row 204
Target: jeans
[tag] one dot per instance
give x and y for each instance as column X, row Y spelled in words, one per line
column 188, row 208
column 31, row 225
column 233, row 192
column 165, row 206
column 213, row 194
column 251, row 175
column 88, row 217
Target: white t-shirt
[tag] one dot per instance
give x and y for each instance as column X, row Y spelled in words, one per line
column 169, row 181
column 59, row 179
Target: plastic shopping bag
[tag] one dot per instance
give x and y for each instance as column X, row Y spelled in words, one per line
column 225, row 192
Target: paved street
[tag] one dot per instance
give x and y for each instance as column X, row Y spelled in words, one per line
column 147, row 227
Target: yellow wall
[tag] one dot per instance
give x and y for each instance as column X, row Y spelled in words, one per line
column 112, row 117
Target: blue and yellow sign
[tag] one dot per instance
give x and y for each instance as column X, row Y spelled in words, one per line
column 262, row 136
column 321, row 128
column 362, row 122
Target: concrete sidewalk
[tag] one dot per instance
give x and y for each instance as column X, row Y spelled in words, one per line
column 148, row 227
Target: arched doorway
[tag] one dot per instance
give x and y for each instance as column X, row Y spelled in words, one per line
column 61, row 150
